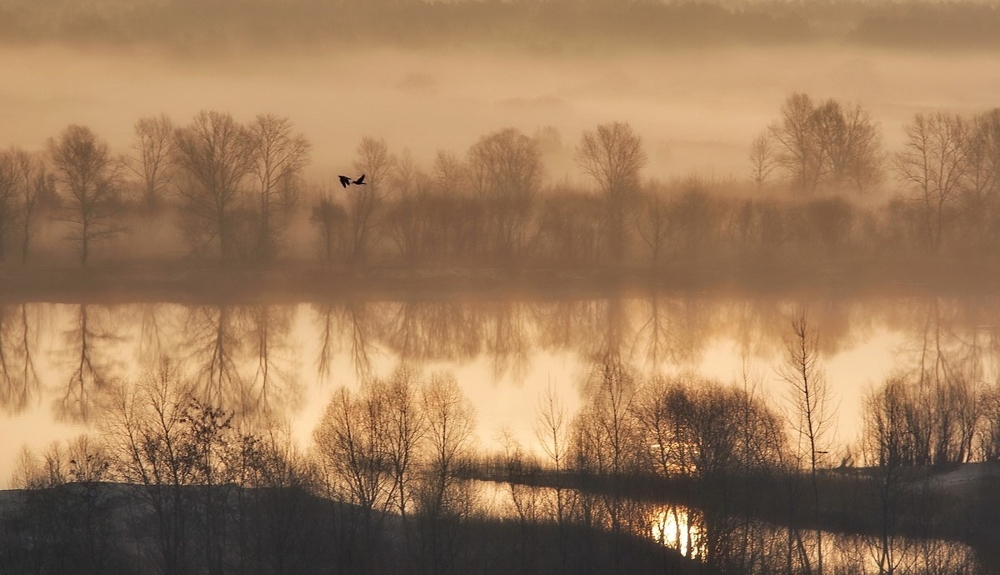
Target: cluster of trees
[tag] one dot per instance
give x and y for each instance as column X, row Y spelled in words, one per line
column 268, row 25
column 233, row 191
column 948, row 171
column 175, row 485
column 231, row 181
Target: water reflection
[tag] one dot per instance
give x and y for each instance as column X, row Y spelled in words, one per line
column 90, row 349
column 678, row 528
column 264, row 360
column 59, row 366
column 737, row 544
column 19, row 380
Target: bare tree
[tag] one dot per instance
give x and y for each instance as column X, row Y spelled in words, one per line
column 652, row 222
column 811, row 417
column 981, row 186
column 443, row 497
column 552, row 429
column 278, row 159
column 762, row 159
column 613, row 156
column 449, row 436
column 145, row 428
column 88, row 174
column 795, row 136
column 609, row 444
column 450, row 175
column 888, row 447
column 821, row 144
column 507, row 170
column 37, row 186
column 933, row 164
column 9, row 181
column 365, row 203
column 153, row 149
column 851, row 145
column 215, row 152
column 406, row 428
column 350, row 439
column 330, row 220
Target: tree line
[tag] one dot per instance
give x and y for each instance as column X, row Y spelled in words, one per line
column 821, row 185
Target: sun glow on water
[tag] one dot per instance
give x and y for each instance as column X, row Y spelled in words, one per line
column 676, row 528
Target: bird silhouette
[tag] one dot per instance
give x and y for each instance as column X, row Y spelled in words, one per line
column 360, row 181
column 345, row 181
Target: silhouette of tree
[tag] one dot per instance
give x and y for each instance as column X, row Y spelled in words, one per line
column 933, row 164
column 216, row 154
column 980, row 201
column 762, row 160
column 850, row 144
column 811, row 416
column 278, row 159
column 652, row 222
column 451, row 175
column 88, row 175
column 37, row 191
column 613, row 156
column 330, row 220
column 506, row 170
column 799, row 151
column 443, row 498
column 153, row 151
column 9, row 182
column 365, row 203
column 146, row 430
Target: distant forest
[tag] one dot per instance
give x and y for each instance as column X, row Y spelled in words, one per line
column 821, row 190
column 556, row 26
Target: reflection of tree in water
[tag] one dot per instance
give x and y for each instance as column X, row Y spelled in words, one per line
column 758, row 326
column 439, row 330
column 947, row 346
column 568, row 325
column 945, row 382
column 151, row 334
column 19, row 381
column 222, row 339
column 352, row 326
column 89, row 345
column 506, row 338
column 214, row 338
column 671, row 329
column 275, row 382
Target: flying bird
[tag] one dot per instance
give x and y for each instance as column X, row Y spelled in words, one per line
column 360, row 181
column 345, row 181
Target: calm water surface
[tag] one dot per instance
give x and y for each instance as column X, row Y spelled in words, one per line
column 59, row 362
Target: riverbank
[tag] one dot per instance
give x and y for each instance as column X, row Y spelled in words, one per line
column 211, row 282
